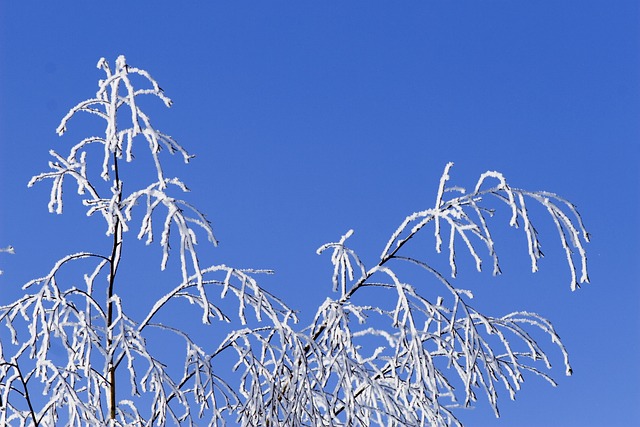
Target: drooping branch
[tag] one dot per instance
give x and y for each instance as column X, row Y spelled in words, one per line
column 456, row 337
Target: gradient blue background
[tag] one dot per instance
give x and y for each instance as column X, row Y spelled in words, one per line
column 310, row 118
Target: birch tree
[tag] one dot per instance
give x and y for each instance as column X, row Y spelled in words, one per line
column 416, row 361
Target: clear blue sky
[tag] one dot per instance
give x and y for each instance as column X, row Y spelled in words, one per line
column 310, row 118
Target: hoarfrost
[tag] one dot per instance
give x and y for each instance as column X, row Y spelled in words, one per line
column 411, row 362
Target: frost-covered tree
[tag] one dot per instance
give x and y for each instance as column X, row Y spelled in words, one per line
column 359, row 363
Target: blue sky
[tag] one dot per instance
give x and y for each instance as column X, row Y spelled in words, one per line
column 310, row 118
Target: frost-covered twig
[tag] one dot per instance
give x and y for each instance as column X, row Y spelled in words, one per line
column 457, row 212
